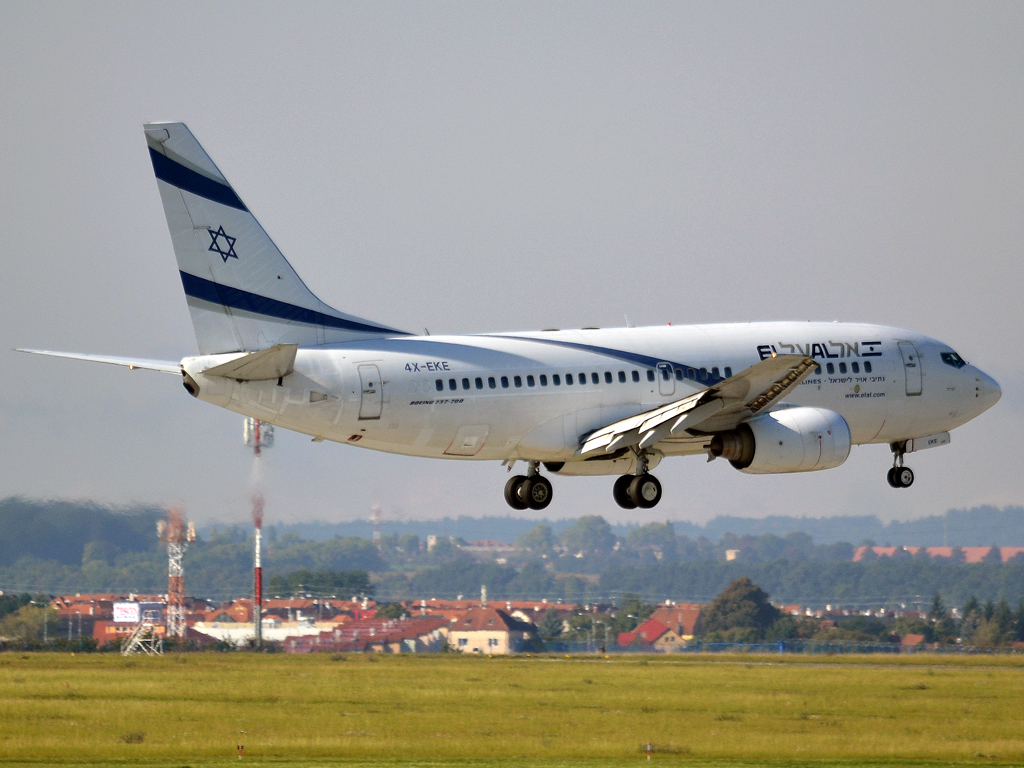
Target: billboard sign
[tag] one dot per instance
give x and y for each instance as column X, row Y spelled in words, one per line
column 126, row 612
column 152, row 612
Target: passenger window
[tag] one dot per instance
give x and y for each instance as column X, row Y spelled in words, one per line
column 703, row 374
column 867, row 366
column 650, row 375
column 728, row 372
column 595, row 379
column 622, row 377
column 830, row 368
column 714, row 373
column 666, row 374
column 556, row 379
column 842, row 367
column 479, row 383
column 691, row 374
column 491, row 383
column 607, row 377
column 636, row 375
column 543, row 380
column 817, row 371
column 568, row 379
column 465, row 383
column 504, row 382
column 582, row 378
column 518, row 380
column 529, row 381
column 439, row 385
column 452, row 384
column 679, row 374
column 855, row 367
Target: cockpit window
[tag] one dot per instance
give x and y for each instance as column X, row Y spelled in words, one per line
column 952, row 358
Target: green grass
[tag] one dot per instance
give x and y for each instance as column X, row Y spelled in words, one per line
column 541, row 712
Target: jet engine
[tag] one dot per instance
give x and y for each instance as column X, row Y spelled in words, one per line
column 786, row 440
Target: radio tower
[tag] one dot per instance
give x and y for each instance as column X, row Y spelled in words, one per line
column 257, row 591
column 375, row 518
column 257, row 436
column 178, row 536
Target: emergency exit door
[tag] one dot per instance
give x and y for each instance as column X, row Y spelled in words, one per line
column 666, row 384
column 911, row 367
column 370, row 399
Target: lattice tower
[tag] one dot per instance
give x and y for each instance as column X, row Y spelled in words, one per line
column 178, row 536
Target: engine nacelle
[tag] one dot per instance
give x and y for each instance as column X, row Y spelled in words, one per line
column 787, row 440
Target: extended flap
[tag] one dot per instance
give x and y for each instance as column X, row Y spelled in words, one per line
column 271, row 363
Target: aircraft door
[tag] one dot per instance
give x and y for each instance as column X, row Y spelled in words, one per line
column 666, row 381
column 371, row 391
column 911, row 367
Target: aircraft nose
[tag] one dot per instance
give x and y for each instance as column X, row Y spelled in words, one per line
column 986, row 390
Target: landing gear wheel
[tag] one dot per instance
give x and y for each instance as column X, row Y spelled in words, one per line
column 512, row 492
column 891, row 477
column 644, row 491
column 535, row 492
column 620, row 491
column 904, row 477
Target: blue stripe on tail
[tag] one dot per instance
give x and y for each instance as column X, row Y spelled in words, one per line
column 235, row 298
column 190, row 181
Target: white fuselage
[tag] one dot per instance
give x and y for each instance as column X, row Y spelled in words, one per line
column 533, row 395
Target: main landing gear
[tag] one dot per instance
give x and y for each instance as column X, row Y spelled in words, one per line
column 899, row 476
column 530, row 491
column 640, row 490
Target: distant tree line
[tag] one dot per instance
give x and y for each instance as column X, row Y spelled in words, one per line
column 742, row 613
column 322, row 583
column 65, row 548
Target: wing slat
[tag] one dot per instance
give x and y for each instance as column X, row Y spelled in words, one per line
column 728, row 402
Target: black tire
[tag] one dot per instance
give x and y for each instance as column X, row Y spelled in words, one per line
column 645, row 491
column 620, row 491
column 536, row 492
column 512, row 492
column 904, row 477
column 890, row 477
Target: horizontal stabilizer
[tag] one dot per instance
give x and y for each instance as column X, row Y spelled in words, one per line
column 271, row 363
column 128, row 362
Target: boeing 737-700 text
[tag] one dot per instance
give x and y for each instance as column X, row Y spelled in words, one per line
column 768, row 397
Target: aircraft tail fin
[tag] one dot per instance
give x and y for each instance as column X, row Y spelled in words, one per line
column 242, row 293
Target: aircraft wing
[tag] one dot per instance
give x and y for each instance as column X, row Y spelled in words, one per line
column 719, row 407
column 129, row 362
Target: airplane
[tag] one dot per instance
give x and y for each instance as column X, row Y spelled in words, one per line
column 768, row 397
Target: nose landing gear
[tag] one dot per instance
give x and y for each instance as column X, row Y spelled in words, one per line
column 899, row 476
column 530, row 491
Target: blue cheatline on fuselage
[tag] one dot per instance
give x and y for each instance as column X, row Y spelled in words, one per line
column 632, row 357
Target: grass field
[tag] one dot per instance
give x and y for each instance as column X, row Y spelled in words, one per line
column 542, row 712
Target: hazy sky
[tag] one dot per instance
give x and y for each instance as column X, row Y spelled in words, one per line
column 488, row 167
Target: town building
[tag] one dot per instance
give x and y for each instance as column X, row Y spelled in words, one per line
column 491, row 631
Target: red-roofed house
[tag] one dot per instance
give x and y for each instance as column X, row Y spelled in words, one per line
column 489, row 630
column 908, row 642
column 416, row 635
column 681, row 618
column 652, row 635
